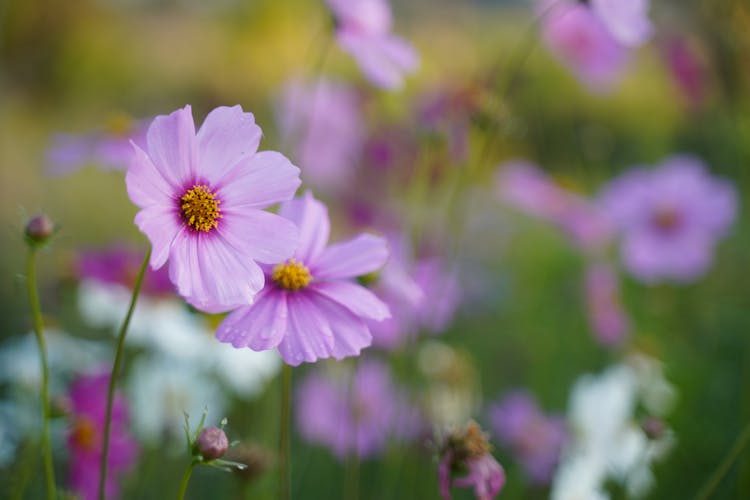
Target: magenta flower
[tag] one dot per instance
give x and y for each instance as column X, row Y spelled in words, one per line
column 363, row 30
column 466, row 462
column 688, row 68
column 670, row 218
column 201, row 198
column 354, row 417
column 88, row 400
column 109, row 148
column 324, row 125
column 581, row 41
column 527, row 188
column 119, row 264
column 607, row 317
column 311, row 307
column 535, row 438
column 626, row 20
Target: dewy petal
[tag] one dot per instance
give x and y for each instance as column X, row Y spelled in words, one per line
column 172, row 147
column 359, row 256
column 161, row 225
column 227, row 136
column 350, row 332
column 211, row 274
column 261, row 180
column 309, row 336
column 146, row 186
column 354, row 297
column 260, row 326
column 311, row 217
column 259, row 235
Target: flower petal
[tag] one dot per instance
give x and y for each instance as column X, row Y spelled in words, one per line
column 309, row 335
column 261, row 236
column 350, row 333
column 172, row 147
column 265, row 178
column 354, row 297
column 227, row 136
column 161, row 225
column 211, row 274
column 260, row 326
column 361, row 255
column 146, row 185
column 311, row 217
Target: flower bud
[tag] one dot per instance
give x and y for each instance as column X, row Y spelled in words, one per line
column 653, row 427
column 212, row 443
column 39, row 229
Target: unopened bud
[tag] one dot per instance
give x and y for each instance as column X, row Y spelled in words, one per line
column 212, row 443
column 39, row 228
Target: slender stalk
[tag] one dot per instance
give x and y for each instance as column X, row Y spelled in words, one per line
column 115, row 371
column 742, row 440
column 284, row 462
column 36, row 312
column 185, row 480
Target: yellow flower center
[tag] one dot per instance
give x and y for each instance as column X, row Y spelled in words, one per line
column 84, row 434
column 200, row 208
column 291, row 275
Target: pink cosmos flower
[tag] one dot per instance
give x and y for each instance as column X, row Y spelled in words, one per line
column 670, row 218
column 535, row 438
column 626, row 20
column 689, row 69
column 311, row 307
column 88, row 400
column 466, row 462
column 201, row 198
column 354, row 417
column 582, row 42
column 323, row 123
column 527, row 188
column 607, row 317
column 108, row 148
column 363, row 29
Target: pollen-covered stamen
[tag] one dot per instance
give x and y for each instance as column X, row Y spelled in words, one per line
column 200, row 208
column 291, row 275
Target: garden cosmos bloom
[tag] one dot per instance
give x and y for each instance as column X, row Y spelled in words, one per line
column 88, row 397
column 670, row 218
column 201, row 198
column 363, row 29
column 311, row 307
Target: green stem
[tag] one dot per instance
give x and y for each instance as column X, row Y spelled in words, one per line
column 742, row 440
column 36, row 312
column 185, row 480
column 284, row 465
column 115, row 371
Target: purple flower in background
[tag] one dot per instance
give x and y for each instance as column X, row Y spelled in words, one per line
column 109, row 148
column 442, row 291
column 626, row 20
column 670, row 218
column 363, row 30
column 527, row 188
column 325, row 128
column 357, row 416
column 466, row 453
column 608, row 319
column 201, row 198
column 579, row 39
column 397, row 288
column 88, row 399
column 120, row 264
column 311, row 307
column 535, row 438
